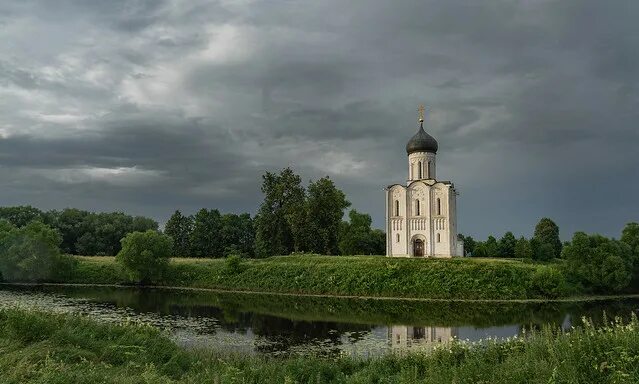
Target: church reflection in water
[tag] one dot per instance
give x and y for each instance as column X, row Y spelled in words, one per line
column 405, row 337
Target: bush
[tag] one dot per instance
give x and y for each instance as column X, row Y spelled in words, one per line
column 32, row 253
column 600, row 264
column 545, row 252
column 233, row 264
column 145, row 255
column 549, row 282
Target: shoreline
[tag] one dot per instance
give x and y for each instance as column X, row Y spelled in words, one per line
column 575, row 299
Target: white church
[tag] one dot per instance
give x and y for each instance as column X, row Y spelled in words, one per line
column 421, row 216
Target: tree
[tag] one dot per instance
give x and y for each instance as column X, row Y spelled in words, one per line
column 91, row 233
column 145, row 255
column 507, row 245
column 325, row 209
column 523, row 249
column 492, row 248
column 72, row 224
column 206, row 240
column 544, row 252
column 480, row 250
column 238, row 235
column 469, row 244
column 547, row 232
column 599, row 264
column 378, row 246
column 21, row 215
column 179, row 228
column 284, row 204
column 356, row 237
column 32, row 253
column 630, row 236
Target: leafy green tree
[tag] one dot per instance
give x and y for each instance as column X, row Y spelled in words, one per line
column 72, row 224
column 32, row 253
column 601, row 265
column 492, row 247
column 238, row 235
column 179, row 228
column 206, row 239
column 103, row 231
column 284, row 203
column 523, row 249
column 480, row 250
column 469, row 244
column 145, row 255
column 325, row 209
column 378, row 242
column 356, row 236
column 544, row 252
column 507, row 245
column 547, row 232
column 630, row 236
column 21, row 215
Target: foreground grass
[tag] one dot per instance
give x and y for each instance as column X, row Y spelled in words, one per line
column 351, row 276
column 44, row 348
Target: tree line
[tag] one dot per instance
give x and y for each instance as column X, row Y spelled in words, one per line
column 591, row 262
column 82, row 232
column 296, row 219
column 543, row 246
column 292, row 218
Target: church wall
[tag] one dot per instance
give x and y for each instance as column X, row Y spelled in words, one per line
column 441, row 221
column 397, row 224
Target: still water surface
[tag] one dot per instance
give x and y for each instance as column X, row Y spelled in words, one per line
column 286, row 325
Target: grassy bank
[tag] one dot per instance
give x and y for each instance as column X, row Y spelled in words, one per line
column 41, row 347
column 352, row 276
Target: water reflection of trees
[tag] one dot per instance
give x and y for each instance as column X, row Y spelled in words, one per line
column 286, row 322
column 282, row 335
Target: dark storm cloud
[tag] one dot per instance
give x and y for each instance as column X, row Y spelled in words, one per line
column 149, row 106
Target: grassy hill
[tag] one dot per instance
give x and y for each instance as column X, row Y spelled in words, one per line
column 494, row 279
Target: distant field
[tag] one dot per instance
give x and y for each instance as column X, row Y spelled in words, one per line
column 460, row 278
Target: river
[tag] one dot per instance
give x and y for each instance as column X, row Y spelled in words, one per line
column 278, row 325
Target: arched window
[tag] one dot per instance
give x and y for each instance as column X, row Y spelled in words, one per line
column 439, row 206
column 419, row 169
column 417, row 213
column 396, row 207
column 439, row 238
column 398, row 237
column 428, row 170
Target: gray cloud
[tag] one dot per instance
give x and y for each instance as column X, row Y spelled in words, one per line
column 149, row 106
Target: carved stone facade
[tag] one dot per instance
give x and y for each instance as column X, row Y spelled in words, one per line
column 421, row 215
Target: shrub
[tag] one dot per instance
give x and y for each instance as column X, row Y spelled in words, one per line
column 545, row 252
column 145, row 255
column 600, row 264
column 233, row 264
column 32, row 253
column 549, row 282
column 523, row 249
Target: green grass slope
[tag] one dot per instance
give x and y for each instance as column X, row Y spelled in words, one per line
column 353, row 276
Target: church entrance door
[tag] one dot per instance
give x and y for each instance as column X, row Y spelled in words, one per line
column 418, row 248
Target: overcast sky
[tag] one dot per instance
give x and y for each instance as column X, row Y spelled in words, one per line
column 152, row 106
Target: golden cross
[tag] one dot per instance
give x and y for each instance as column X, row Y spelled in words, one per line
column 421, row 112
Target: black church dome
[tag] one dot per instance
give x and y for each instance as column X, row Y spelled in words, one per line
column 421, row 142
